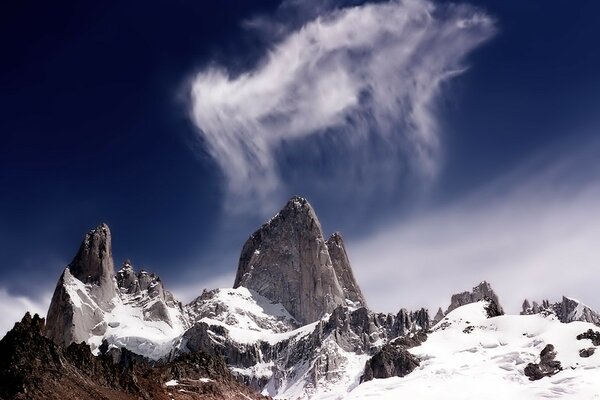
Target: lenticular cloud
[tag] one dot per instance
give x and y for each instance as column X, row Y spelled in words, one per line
column 369, row 72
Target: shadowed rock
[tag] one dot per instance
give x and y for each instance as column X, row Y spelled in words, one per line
column 547, row 366
column 483, row 291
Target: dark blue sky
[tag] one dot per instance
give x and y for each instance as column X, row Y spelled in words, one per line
column 96, row 127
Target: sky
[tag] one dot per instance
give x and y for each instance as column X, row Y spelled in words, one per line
column 449, row 142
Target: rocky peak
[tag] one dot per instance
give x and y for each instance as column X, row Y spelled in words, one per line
column 439, row 315
column 91, row 274
column 483, row 291
column 567, row 310
column 93, row 263
column 343, row 270
column 288, row 262
column 88, row 293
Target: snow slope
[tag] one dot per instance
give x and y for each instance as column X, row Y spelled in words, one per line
column 469, row 356
column 126, row 323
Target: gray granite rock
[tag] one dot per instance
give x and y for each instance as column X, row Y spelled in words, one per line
column 483, row 291
column 343, row 270
column 567, row 310
column 68, row 320
column 438, row 316
column 93, row 265
column 287, row 261
column 547, row 366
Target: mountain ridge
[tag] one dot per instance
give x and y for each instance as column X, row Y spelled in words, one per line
column 295, row 325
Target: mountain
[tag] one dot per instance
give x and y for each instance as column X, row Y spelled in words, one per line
column 469, row 355
column 288, row 261
column 92, row 303
column 295, row 325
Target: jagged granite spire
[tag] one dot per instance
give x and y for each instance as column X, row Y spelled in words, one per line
column 480, row 292
column 91, row 273
column 287, row 261
column 567, row 310
column 93, row 264
column 343, row 270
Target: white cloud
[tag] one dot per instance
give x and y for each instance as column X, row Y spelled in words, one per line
column 367, row 71
column 533, row 234
column 13, row 308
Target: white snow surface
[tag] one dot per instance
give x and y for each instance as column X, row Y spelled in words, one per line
column 247, row 316
column 489, row 361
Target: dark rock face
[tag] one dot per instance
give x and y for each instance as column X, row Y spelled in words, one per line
column 343, row 270
column 93, row 262
column 287, row 261
column 492, row 309
column 483, row 291
column 567, row 310
column 394, row 359
column 438, row 316
column 587, row 352
column 594, row 336
column 547, row 366
column 34, row 367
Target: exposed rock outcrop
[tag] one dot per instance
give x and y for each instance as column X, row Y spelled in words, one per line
column 483, row 291
column 288, row 262
column 439, row 315
column 594, row 336
column 343, row 270
column 567, row 310
column 392, row 360
column 547, row 366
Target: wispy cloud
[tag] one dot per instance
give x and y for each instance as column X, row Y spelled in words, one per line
column 13, row 308
column 368, row 73
column 533, row 233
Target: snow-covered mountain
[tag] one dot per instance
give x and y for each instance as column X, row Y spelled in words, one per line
column 468, row 355
column 295, row 325
column 92, row 304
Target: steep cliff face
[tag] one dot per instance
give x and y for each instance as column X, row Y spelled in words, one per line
column 85, row 291
column 343, row 270
column 288, row 262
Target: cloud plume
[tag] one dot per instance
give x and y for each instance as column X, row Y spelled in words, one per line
column 368, row 74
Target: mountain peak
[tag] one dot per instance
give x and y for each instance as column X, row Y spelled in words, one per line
column 343, row 270
column 287, row 261
column 93, row 263
column 483, row 291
